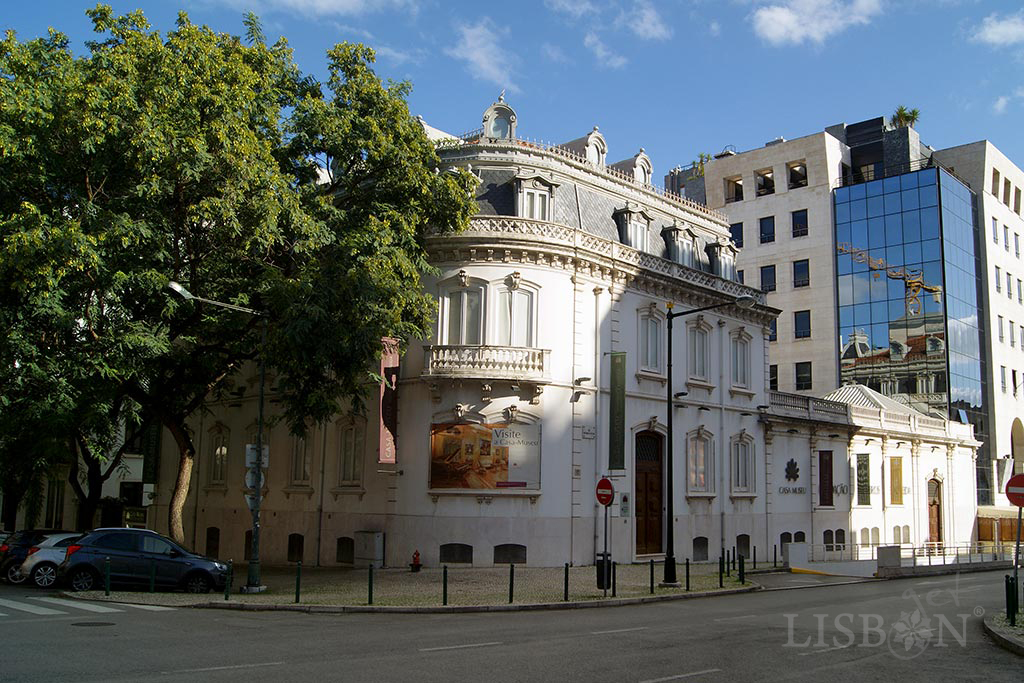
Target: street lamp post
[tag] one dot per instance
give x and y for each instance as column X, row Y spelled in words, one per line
column 253, row 582
column 669, row 579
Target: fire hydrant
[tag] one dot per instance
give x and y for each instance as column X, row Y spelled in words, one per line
column 415, row 566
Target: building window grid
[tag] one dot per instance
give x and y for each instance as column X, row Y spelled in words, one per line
column 768, row 278
column 802, row 324
column 999, row 279
column 995, row 230
column 1022, row 337
column 766, row 227
column 1016, row 244
column 802, row 371
column 799, row 222
column 1009, row 285
column 1002, row 377
column 736, row 229
column 764, row 182
column 1020, row 291
column 999, row 327
column 1013, row 339
column 1006, row 238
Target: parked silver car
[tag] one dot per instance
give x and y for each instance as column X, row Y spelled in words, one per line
column 43, row 559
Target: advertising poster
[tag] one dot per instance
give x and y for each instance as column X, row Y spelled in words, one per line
column 485, row 456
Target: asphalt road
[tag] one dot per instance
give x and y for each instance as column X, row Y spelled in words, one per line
column 911, row 629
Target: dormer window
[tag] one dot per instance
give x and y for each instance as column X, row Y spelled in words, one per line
column 634, row 224
column 637, row 168
column 500, row 120
column 535, row 194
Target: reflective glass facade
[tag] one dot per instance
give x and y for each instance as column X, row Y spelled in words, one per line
column 908, row 295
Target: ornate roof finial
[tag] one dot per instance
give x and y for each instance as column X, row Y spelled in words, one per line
column 501, row 96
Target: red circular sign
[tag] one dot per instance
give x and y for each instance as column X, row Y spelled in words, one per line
column 605, row 491
column 1015, row 490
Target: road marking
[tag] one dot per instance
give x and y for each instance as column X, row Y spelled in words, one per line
column 618, row 630
column 32, row 609
column 151, row 608
column 457, row 647
column 680, row 676
column 220, row 668
column 745, row 616
column 827, row 649
column 929, row 583
column 77, row 604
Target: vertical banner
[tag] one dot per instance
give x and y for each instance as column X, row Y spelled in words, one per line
column 617, row 414
column 386, row 448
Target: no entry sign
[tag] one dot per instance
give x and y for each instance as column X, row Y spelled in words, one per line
column 1014, row 490
column 605, row 491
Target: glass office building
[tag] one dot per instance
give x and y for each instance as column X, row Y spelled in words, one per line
column 908, row 296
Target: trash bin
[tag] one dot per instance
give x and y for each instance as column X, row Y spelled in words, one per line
column 603, row 563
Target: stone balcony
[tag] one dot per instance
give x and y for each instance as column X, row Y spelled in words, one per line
column 515, row 363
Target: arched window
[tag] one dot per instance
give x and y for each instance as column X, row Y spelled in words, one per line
column 351, row 433
column 698, row 336
column 742, row 463
column 700, row 549
column 743, row 545
column 896, row 534
column 345, row 550
column 700, row 461
column 785, row 538
column 840, row 539
column 906, row 534
column 220, row 437
column 515, row 317
column 828, row 538
column 212, row 541
column 799, row 537
column 875, row 536
column 510, row 553
column 295, row 547
column 456, row 553
column 301, row 461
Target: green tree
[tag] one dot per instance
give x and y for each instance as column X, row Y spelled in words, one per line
column 212, row 161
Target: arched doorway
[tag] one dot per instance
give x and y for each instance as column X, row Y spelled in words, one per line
column 934, row 511
column 1017, row 445
column 649, row 494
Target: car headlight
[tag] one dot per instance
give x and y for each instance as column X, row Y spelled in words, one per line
column 221, row 566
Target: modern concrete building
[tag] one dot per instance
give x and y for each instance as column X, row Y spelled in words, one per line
column 888, row 260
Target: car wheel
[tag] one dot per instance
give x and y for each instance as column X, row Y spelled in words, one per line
column 197, row 583
column 45, row 575
column 14, row 576
column 83, row 579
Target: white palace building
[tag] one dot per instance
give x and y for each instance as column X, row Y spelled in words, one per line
column 547, row 370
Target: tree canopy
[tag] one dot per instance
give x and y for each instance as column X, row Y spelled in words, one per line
column 904, row 118
column 201, row 158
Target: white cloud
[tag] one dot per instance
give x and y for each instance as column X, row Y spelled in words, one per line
column 1001, row 32
column 323, row 8
column 644, row 21
column 799, row 21
column 605, row 57
column 478, row 47
column 398, row 56
column 715, row 29
column 1000, row 104
column 352, row 30
column 553, row 53
column 574, row 8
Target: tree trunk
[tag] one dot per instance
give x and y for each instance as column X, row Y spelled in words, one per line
column 175, row 512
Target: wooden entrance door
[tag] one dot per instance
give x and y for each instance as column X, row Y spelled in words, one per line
column 934, row 511
column 649, row 493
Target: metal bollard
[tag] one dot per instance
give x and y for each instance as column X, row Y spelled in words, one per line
column 444, row 585
column 728, row 564
column 652, row 577
column 775, row 556
column 614, row 565
column 742, row 572
column 755, row 557
column 1011, row 600
column 298, row 580
column 152, row 576
column 369, row 586
column 687, row 573
column 227, row 582
column 565, row 583
column 734, row 557
column 721, row 569
column 511, row 582
column 106, row 576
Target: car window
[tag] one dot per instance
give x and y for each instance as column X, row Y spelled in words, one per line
column 117, row 541
column 155, row 544
column 65, row 542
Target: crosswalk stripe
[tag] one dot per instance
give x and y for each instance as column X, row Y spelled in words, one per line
column 32, row 609
column 151, row 608
column 77, row 604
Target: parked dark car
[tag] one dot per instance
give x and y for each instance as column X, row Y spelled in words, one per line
column 135, row 556
column 14, row 550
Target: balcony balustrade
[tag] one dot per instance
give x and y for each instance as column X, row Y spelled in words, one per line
column 488, row 362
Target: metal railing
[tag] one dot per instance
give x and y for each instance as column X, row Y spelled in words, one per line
column 925, row 554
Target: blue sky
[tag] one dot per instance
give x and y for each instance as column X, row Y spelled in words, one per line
column 676, row 77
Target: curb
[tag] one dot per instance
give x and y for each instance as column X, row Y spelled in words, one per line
column 823, row 585
column 463, row 609
column 1005, row 641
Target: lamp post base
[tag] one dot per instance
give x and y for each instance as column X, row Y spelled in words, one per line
column 253, row 589
column 669, row 584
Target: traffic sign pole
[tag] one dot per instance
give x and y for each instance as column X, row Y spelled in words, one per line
column 1015, row 493
column 605, row 495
